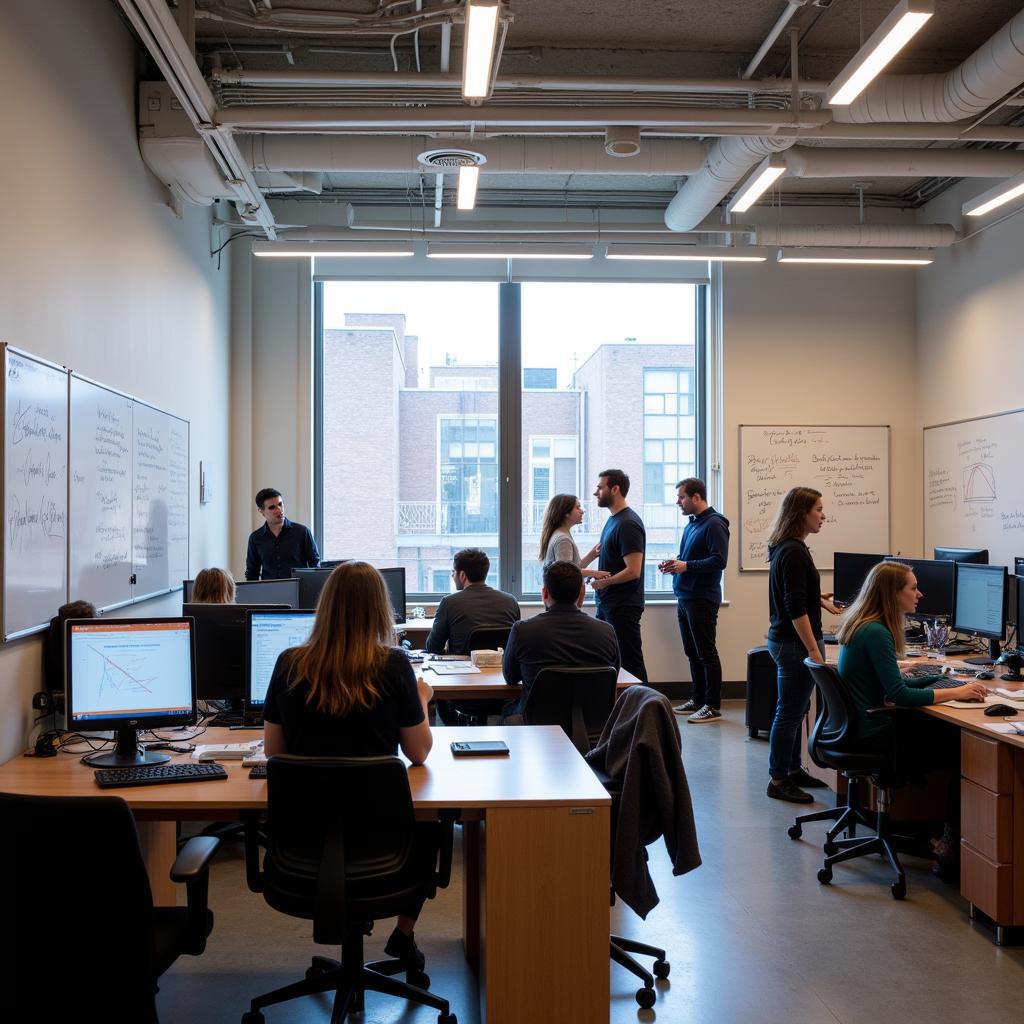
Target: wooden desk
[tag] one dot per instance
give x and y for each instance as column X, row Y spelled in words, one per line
column 488, row 683
column 536, row 856
column 415, row 631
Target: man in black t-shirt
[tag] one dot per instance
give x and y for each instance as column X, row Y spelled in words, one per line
column 620, row 596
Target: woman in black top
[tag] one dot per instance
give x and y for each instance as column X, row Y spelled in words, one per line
column 348, row 692
column 795, row 601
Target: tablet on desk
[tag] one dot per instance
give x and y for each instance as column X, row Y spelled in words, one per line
column 479, row 748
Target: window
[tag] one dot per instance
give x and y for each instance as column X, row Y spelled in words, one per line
column 416, row 460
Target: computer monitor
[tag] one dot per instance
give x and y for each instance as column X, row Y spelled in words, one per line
column 129, row 675
column 310, row 582
column 851, row 569
column 222, row 632
column 937, row 582
column 273, row 592
column 980, row 604
column 269, row 634
column 394, row 580
column 1018, row 565
column 975, row 555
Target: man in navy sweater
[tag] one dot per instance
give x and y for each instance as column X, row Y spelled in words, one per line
column 703, row 554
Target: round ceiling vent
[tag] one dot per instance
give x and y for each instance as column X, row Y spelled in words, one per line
column 451, row 159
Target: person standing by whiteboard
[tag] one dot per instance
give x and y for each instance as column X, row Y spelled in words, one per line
column 279, row 545
column 795, row 602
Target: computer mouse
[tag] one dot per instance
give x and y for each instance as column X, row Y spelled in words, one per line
column 985, row 675
column 998, row 710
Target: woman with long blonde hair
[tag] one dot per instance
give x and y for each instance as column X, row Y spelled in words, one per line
column 795, row 602
column 564, row 511
column 349, row 692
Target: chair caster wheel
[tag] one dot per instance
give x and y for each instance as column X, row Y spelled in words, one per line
column 253, row 1017
column 661, row 968
column 794, row 831
column 898, row 890
column 829, row 849
column 418, row 978
column 646, row 998
column 447, row 1018
column 825, row 876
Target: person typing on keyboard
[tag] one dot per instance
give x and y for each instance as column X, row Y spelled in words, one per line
column 350, row 692
column 870, row 635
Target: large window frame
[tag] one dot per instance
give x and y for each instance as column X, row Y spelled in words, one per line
column 513, row 488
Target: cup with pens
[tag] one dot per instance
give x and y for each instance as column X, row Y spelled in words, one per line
column 936, row 636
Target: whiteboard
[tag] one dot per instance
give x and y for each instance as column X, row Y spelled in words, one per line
column 973, row 486
column 35, row 492
column 848, row 464
column 100, row 550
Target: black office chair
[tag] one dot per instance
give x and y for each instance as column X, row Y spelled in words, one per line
column 488, row 638
column 833, row 744
column 344, row 849
column 579, row 699
column 81, row 911
column 475, row 712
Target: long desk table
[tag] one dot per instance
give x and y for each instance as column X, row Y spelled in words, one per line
column 535, row 848
column 488, row 683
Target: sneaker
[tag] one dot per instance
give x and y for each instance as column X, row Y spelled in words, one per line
column 804, row 778
column 785, row 790
column 706, row 714
column 686, row 708
column 403, row 947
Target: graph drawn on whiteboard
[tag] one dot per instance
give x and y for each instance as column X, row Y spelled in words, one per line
column 979, row 482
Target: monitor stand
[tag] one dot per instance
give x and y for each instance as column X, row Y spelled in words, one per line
column 126, row 753
column 993, row 655
column 1013, row 664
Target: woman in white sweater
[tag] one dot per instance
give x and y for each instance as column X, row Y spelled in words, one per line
column 564, row 511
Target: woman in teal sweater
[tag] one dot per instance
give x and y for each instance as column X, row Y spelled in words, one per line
column 871, row 638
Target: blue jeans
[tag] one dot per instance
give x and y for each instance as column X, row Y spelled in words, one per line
column 795, row 687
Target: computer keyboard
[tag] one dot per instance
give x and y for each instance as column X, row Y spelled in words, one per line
column 154, row 774
column 258, row 771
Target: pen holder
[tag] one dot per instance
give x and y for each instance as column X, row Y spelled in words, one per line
column 936, row 635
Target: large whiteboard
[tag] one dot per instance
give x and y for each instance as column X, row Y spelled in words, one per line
column 848, row 464
column 35, row 496
column 974, row 487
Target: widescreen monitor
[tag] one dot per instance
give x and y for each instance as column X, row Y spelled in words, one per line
column 129, row 675
column 851, row 569
column 978, row 556
column 937, row 582
column 980, row 603
column 222, row 633
column 273, row 592
column 310, row 582
column 269, row 634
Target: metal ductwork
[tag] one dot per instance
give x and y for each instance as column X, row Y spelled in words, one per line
column 993, row 70
column 728, row 160
column 813, row 162
column 376, row 154
column 890, row 236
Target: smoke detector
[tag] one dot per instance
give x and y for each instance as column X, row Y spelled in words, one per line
column 451, row 159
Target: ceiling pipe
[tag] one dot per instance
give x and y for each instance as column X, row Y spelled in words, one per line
column 891, row 236
column 792, row 6
column 993, row 70
column 729, row 159
column 813, row 162
column 671, row 158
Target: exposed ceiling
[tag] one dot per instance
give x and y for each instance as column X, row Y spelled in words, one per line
column 354, row 69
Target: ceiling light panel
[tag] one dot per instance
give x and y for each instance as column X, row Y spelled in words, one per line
column 858, row 257
column 684, row 253
column 478, row 48
column 507, row 251
column 465, row 198
column 999, row 195
column 356, row 250
column 766, row 174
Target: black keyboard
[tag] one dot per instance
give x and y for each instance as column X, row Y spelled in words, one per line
column 154, row 774
column 258, row 771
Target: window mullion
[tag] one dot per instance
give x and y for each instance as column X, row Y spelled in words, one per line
column 510, row 429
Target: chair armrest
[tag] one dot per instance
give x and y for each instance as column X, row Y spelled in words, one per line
column 194, row 858
column 886, row 709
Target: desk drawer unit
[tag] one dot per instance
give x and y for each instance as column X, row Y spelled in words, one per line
column 991, row 847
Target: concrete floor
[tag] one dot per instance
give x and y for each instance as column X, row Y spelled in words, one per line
column 751, row 935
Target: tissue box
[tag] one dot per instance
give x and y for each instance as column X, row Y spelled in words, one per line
column 486, row 659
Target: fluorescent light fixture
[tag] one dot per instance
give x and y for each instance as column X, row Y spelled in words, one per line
column 899, row 27
column 767, row 172
column 478, row 48
column 469, row 175
column 858, row 257
column 507, row 251
column 1004, row 192
column 355, row 250
column 684, row 253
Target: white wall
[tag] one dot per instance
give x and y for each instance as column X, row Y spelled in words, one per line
column 95, row 271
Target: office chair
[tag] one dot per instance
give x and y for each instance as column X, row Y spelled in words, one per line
column 577, row 699
column 344, row 850
column 475, row 712
column 84, row 924
column 833, row 744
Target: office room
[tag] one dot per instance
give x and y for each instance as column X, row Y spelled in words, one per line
column 109, row 272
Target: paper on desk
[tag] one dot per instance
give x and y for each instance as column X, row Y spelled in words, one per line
column 967, row 705
column 451, row 668
column 1006, row 728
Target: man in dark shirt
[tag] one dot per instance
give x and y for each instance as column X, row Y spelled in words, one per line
column 279, row 545
column 620, row 596
column 473, row 604
column 563, row 634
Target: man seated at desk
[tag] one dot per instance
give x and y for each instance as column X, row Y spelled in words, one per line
column 562, row 635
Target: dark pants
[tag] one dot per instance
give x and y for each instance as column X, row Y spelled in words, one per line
column 785, row 742
column 626, row 623
column 698, row 626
